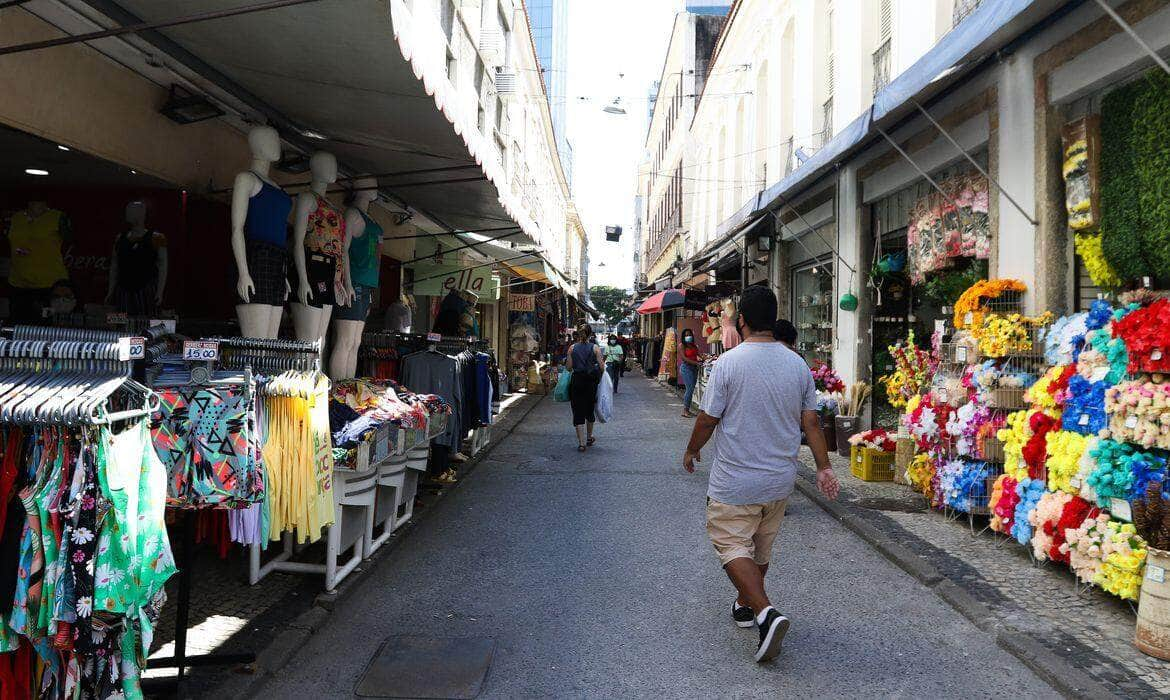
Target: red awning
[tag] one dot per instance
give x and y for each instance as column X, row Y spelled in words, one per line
column 662, row 301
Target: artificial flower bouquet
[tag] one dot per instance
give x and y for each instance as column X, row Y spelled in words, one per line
column 826, row 379
column 1139, row 413
column 1043, row 519
column 1029, row 491
column 1108, row 553
column 1001, row 335
column 876, row 439
column 1064, row 338
column 913, row 369
column 1088, row 246
column 1123, row 471
column 1064, row 450
column 1146, row 332
column 1084, row 406
column 920, row 474
column 964, row 484
column 1050, row 390
column 1004, row 499
column 970, row 308
column 926, row 422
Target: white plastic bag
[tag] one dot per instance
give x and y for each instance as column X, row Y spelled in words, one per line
column 604, row 408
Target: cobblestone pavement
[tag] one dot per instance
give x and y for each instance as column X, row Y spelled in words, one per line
column 1085, row 626
column 593, row 576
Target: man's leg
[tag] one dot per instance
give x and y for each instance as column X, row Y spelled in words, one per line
column 748, row 578
column 763, row 574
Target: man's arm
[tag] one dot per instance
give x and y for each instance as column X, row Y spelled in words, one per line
column 704, row 427
column 826, row 479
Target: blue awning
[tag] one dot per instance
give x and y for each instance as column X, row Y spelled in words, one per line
column 987, row 29
column 819, row 163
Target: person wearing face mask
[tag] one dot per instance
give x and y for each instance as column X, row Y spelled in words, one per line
column 614, row 359
column 688, row 369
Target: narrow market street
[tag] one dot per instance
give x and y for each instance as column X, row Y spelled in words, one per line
column 593, row 576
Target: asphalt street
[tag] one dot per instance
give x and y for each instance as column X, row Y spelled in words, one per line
column 593, row 575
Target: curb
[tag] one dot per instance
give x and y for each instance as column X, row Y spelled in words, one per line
column 273, row 658
column 1064, row 677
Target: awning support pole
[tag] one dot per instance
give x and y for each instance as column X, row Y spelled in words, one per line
column 146, row 26
column 978, row 167
column 1134, row 35
column 906, row 156
column 450, row 233
column 810, row 227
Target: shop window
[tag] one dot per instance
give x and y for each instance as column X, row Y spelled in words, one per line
column 812, row 289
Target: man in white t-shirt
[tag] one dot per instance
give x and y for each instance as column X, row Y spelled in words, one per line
column 759, row 398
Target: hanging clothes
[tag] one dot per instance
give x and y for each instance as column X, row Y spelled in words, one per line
column 432, row 372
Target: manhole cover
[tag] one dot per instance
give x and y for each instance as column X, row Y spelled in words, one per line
column 890, row 504
column 427, row 667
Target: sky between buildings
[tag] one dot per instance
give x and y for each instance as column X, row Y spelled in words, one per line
column 616, row 49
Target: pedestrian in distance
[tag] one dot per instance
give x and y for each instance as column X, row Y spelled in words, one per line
column 759, row 398
column 785, row 332
column 585, row 363
column 614, row 360
column 688, row 369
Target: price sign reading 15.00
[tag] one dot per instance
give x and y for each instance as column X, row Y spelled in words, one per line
column 200, row 350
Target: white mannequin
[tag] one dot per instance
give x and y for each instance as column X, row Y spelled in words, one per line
column 311, row 323
column 256, row 320
column 136, row 217
column 347, row 335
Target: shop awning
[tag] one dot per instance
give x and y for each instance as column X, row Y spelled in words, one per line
column 351, row 73
column 821, row 162
column 672, row 299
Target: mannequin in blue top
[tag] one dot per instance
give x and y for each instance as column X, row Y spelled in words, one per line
column 260, row 212
column 365, row 259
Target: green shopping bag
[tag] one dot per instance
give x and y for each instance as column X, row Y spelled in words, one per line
column 561, row 392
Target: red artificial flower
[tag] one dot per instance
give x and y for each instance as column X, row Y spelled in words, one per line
column 1035, row 450
column 1005, row 507
column 1075, row 512
column 1059, row 387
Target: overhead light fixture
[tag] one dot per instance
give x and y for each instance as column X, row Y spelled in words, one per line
column 614, row 107
column 133, row 171
column 186, row 107
column 310, row 134
column 63, row 148
column 35, row 171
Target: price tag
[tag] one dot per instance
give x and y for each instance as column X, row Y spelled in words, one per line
column 1156, row 354
column 968, row 318
column 1084, row 419
column 1120, row 509
column 434, row 337
column 1146, row 282
column 940, row 326
column 117, row 317
column 200, row 350
column 1131, row 422
column 1075, row 482
column 1155, row 573
column 961, row 353
column 131, row 348
column 943, row 395
column 1098, row 374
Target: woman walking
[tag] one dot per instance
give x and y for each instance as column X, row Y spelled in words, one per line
column 585, row 364
column 688, row 369
column 614, row 359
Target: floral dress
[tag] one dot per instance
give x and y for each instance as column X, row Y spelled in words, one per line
column 133, row 558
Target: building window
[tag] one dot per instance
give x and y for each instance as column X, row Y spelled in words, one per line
column 447, row 18
column 881, row 66
column 962, row 9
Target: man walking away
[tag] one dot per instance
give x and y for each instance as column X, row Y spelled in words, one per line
column 759, row 398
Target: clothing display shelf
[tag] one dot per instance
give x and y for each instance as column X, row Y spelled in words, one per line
column 66, row 376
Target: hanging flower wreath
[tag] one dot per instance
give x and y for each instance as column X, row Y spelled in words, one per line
column 1088, row 246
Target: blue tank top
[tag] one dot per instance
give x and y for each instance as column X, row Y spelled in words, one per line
column 268, row 210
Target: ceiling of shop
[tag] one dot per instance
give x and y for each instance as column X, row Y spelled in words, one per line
column 20, row 150
column 334, row 67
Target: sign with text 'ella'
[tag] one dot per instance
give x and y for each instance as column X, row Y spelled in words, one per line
column 522, row 302
column 437, row 280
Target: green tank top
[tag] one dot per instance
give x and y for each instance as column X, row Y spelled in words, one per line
column 363, row 254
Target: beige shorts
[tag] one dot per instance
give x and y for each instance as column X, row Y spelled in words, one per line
column 744, row 531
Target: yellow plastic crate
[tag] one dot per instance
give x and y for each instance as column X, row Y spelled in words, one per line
column 869, row 464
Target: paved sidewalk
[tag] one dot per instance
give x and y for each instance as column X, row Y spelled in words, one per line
column 1035, row 610
column 593, row 575
column 229, row 616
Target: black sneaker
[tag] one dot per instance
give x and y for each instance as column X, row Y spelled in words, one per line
column 772, row 633
column 742, row 615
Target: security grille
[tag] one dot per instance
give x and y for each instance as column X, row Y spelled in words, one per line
column 881, row 66
column 962, row 9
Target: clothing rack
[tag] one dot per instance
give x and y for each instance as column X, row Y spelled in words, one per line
column 67, row 382
column 269, row 355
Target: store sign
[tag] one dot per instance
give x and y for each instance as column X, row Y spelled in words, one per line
column 437, row 280
column 522, row 302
